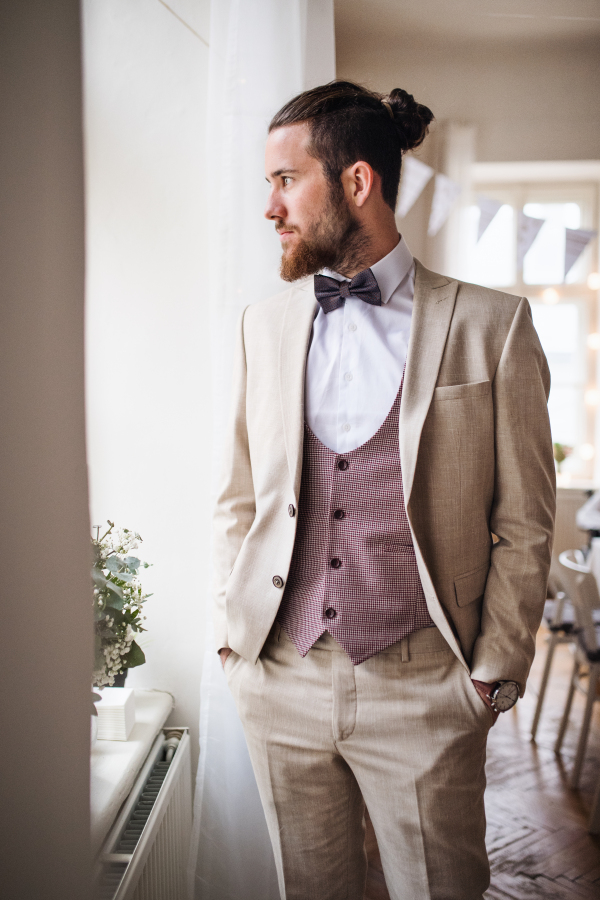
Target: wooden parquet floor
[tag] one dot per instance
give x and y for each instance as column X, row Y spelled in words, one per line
column 537, row 835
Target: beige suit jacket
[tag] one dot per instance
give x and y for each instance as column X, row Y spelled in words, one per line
column 476, row 460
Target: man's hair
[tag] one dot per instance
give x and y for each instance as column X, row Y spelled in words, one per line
column 349, row 123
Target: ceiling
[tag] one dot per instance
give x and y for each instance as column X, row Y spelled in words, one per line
column 386, row 23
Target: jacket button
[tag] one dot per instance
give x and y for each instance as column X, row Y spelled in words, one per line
column 277, row 581
column 330, row 613
column 339, row 514
column 343, row 464
column 292, row 510
column 336, row 563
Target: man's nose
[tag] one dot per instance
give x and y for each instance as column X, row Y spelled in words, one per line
column 274, row 208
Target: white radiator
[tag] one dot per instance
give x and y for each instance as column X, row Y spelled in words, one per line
column 145, row 855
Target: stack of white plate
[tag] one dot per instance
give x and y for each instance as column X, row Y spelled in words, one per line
column 116, row 714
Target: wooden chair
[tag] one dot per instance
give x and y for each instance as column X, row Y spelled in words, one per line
column 583, row 593
column 560, row 621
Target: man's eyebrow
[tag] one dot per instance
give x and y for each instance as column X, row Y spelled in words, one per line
column 279, row 172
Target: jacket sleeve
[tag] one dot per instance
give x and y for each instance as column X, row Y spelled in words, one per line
column 236, row 508
column 523, row 509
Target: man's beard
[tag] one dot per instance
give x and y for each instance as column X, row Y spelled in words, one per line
column 337, row 241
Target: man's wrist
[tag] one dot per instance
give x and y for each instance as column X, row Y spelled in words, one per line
column 500, row 696
column 484, row 689
column 223, row 654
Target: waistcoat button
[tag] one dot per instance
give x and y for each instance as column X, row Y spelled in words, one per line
column 343, row 464
column 277, row 581
column 339, row 514
column 330, row 613
column 292, row 510
column 336, row 563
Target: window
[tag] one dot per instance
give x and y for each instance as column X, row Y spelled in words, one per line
column 564, row 309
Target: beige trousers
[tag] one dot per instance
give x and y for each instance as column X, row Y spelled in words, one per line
column 404, row 732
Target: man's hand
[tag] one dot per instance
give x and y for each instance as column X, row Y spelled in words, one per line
column 225, row 651
column 484, row 690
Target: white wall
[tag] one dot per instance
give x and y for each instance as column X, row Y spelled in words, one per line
column 46, row 623
column 148, row 397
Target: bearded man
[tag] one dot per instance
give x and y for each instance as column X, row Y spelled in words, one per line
column 387, row 422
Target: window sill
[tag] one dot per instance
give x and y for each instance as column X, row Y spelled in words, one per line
column 115, row 764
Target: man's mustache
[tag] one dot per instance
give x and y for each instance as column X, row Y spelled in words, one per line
column 280, row 228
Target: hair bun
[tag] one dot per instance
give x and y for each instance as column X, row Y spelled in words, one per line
column 411, row 118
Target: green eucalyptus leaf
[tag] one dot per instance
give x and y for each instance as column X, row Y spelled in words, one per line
column 135, row 657
column 115, row 614
column 132, row 563
column 116, row 564
column 115, row 592
column 125, row 577
column 98, row 577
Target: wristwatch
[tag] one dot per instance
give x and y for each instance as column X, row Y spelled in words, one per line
column 504, row 695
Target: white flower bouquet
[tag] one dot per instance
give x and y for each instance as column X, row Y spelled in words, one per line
column 118, row 602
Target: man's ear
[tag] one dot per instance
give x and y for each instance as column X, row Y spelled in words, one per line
column 358, row 182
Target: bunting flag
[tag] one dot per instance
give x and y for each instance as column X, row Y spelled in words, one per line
column 576, row 240
column 528, row 229
column 415, row 175
column 487, row 211
column 445, row 194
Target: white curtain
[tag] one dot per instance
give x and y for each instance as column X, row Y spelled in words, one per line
column 262, row 52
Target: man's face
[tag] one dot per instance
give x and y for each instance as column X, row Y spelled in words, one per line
column 312, row 218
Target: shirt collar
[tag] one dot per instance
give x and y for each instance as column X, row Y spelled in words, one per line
column 389, row 271
column 393, row 269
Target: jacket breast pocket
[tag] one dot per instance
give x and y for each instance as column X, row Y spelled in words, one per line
column 471, row 391
column 471, row 586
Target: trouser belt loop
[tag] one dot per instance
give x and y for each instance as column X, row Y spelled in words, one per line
column 404, row 650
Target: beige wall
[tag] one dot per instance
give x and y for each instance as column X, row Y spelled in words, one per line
column 528, row 103
column 46, row 627
column 525, row 102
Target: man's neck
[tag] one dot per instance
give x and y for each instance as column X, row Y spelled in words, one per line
column 374, row 248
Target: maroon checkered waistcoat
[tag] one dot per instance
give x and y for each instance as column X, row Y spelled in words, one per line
column 353, row 571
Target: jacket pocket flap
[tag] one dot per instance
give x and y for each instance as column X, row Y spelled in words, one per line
column 471, row 586
column 463, row 391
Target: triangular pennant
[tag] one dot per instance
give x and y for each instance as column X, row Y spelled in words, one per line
column 528, row 229
column 576, row 240
column 415, row 175
column 445, row 194
column 487, row 211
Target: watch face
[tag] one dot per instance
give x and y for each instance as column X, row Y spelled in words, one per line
column 506, row 696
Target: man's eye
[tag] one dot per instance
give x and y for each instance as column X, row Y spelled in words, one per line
column 287, row 180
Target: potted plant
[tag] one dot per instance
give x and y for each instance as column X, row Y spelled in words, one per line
column 561, row 452
column 118, row 603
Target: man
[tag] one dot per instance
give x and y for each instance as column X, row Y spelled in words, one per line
column 387, row 422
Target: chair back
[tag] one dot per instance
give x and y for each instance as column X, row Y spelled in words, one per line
column 557, row 594
column 583, row 593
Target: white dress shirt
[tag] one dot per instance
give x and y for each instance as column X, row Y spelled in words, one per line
column 357, row 355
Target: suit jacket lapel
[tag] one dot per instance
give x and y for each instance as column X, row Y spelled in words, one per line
column 432, row 313
column 293, row 349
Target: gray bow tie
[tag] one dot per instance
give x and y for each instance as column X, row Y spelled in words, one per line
column 331, row 293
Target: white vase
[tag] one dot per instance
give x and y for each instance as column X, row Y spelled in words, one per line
column 94, row 729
